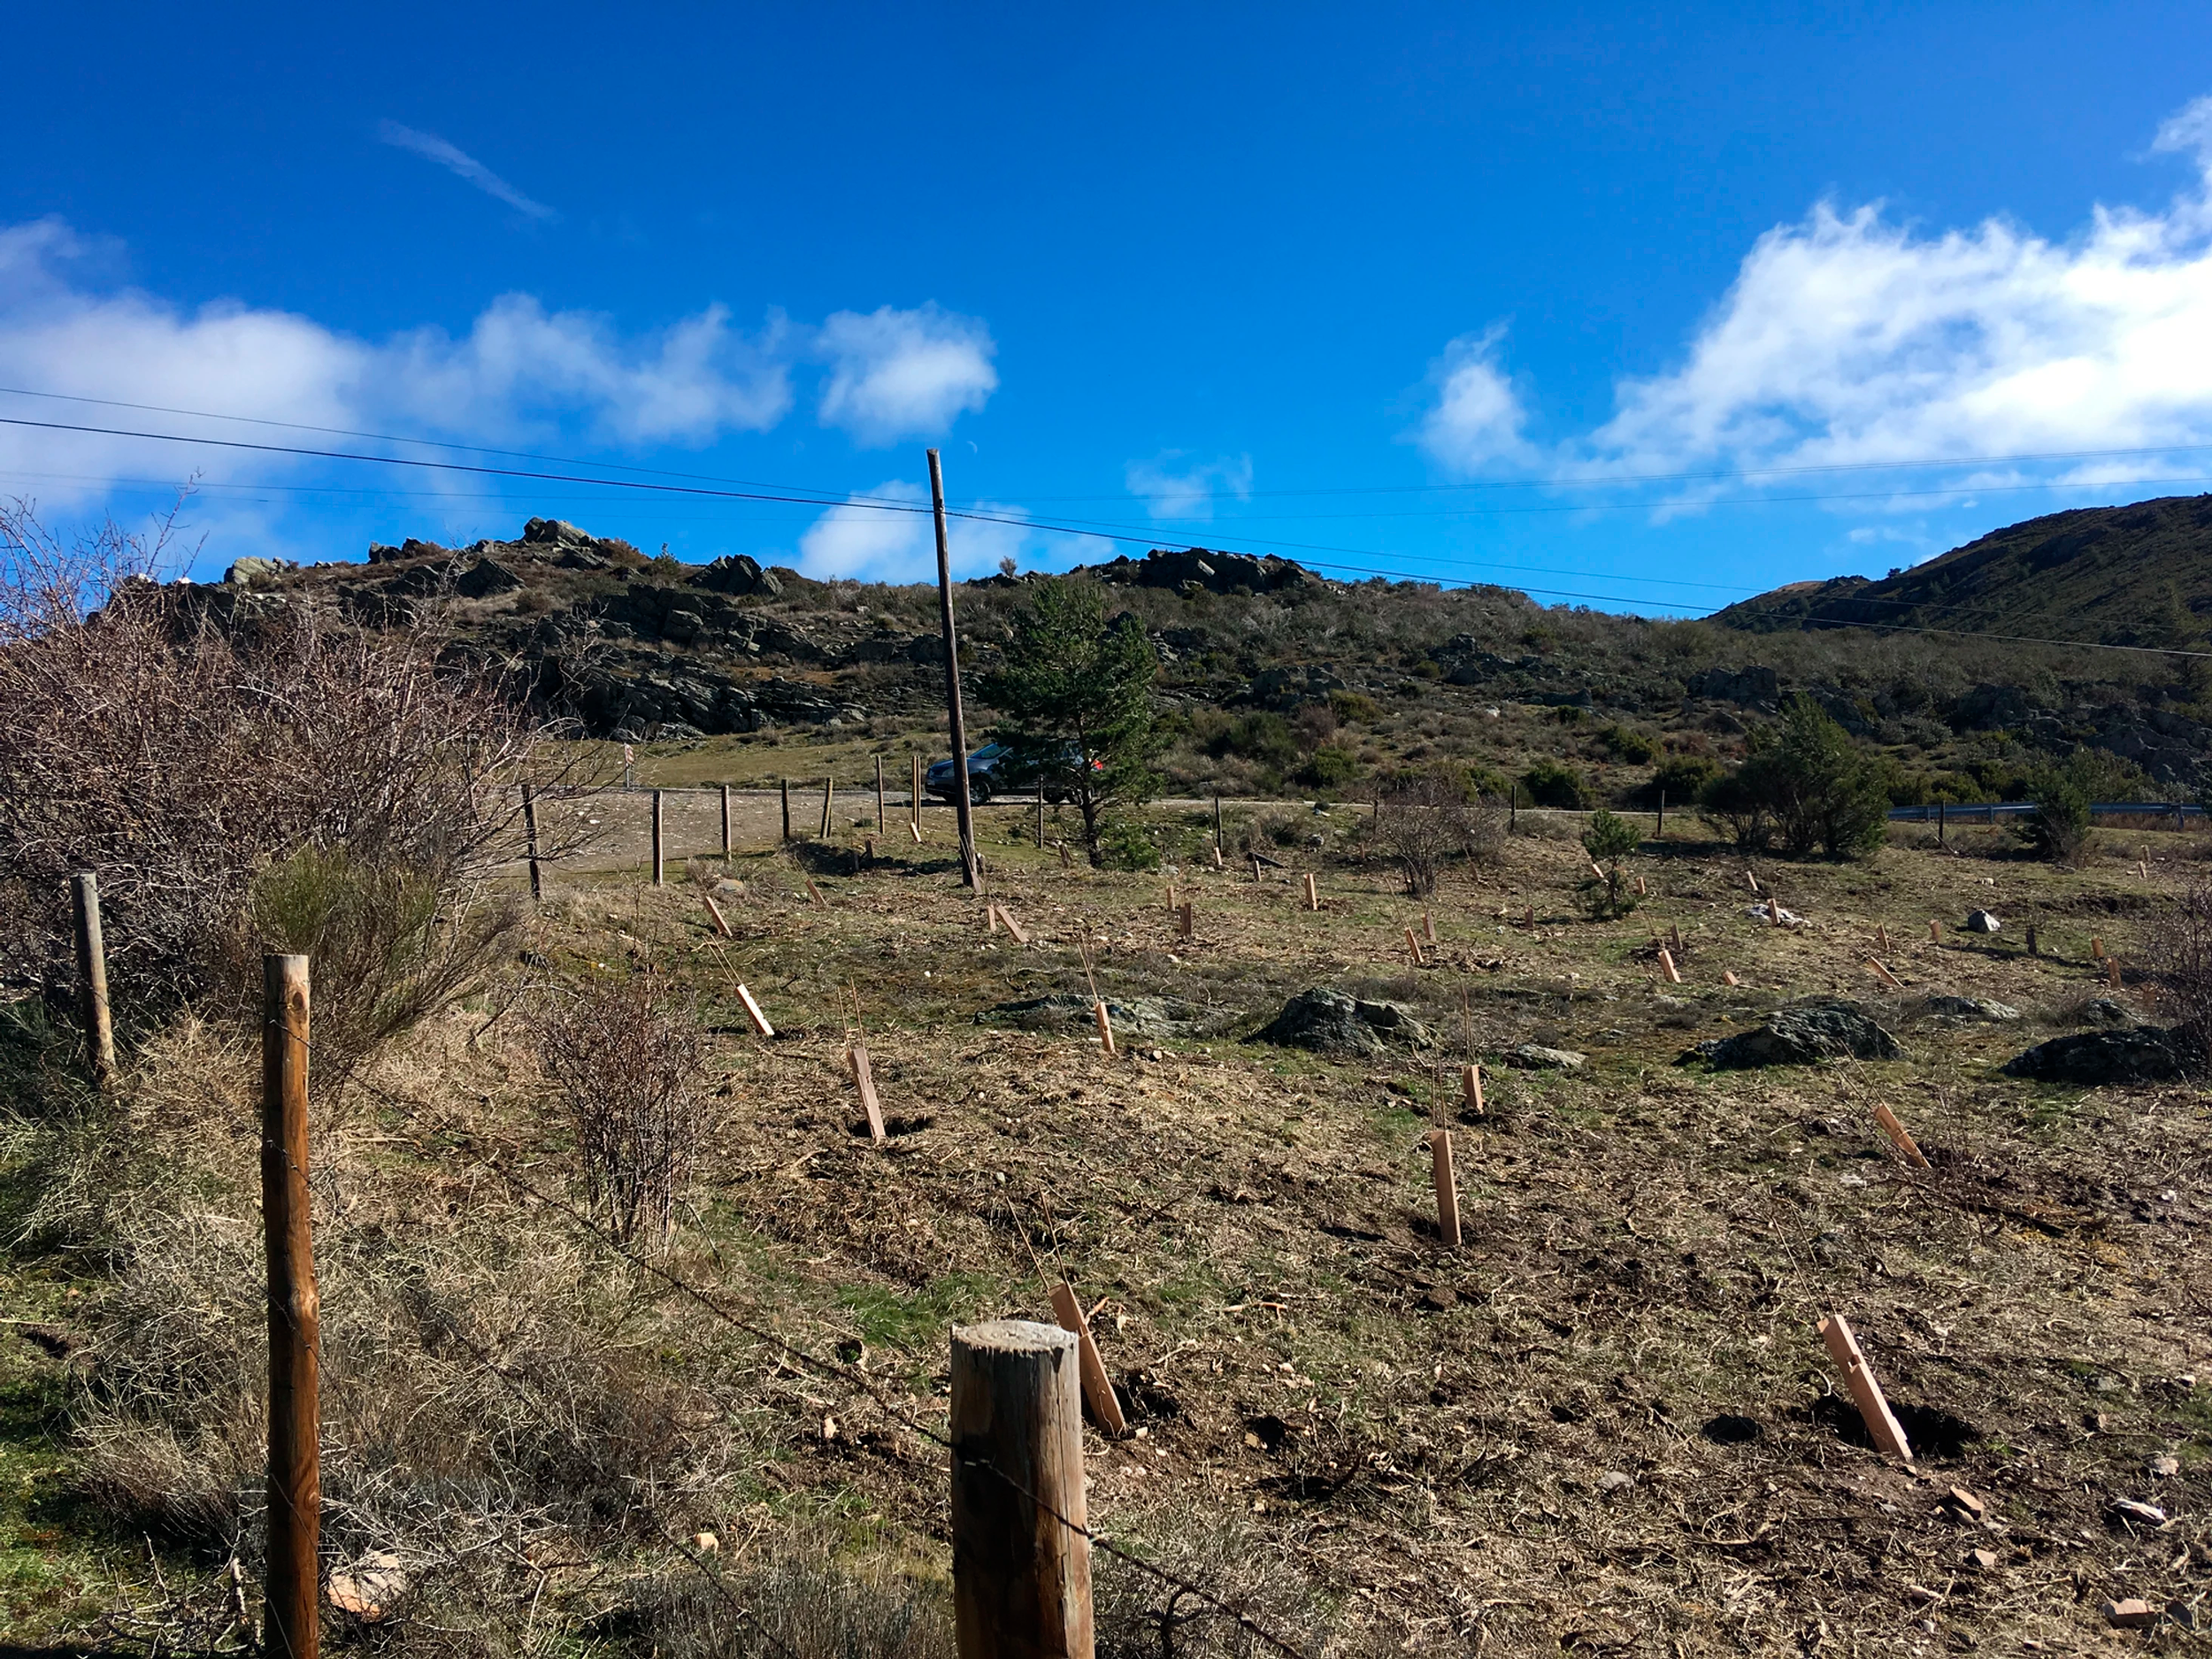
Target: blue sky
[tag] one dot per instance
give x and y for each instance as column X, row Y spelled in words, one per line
column 1658, row 306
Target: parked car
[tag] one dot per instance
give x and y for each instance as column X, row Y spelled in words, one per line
column 995, row 770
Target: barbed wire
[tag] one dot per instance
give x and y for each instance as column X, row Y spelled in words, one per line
column 466, row 1143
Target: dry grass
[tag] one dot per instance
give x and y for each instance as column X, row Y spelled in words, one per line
column 1606, row 1423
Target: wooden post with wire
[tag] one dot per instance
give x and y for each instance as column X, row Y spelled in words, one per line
column 92, row 979
column 725, row 824
column 879, row 794
column 292, row 1592
column 1447, row 1188
column 962, row 798
column 530, row 841
column 1021, row 1553
column 829, row 793
column 660, row 861
column 783, row 785
column 1098, row 1387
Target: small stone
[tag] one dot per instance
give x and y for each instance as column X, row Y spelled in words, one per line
column 2164, row 1468
column 1921, row 1593
column 2148, row 1513
column 1967, row 1502
column 2132, row 1614
column 706, row 1543
column 1985, row 1559
column 1614, row 1480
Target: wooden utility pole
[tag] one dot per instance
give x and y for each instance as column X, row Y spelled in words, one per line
column 530, row 838
column 725, row 823
column 915, row 799
column 784, row 784
column 92, row 979
column 295, row 1321
column 952, row 680
column 1021, row 1569
column 660, row 861
column 829, row 793
column 879, row 794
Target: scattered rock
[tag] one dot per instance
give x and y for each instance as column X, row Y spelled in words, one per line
column 2131, row 1614
column 2102, row 1011
column 2143, row 1054
column 2149, row 1514
column 245, row 573
column 1968, row 1008
column 1801, row 1036
column 1760, row 913
column 1329, row 1020
column 484, row 578
column 2164, row 1468
column 1614, row 1480
column 1985, row 1559
column 370, row 1587
column 735, row 573
column 1139, row 1015
column 1983, row 922
column 1531, row 1057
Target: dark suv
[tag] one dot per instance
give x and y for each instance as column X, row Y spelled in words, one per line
column 995, row 769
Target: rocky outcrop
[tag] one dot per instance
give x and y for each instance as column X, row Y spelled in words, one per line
column 1752, row 687
column 1332, row 1022
column 1801, row 1036
column 738, row 574
column 2141, row 1054
column 1965, row 1009
column 1200, row 569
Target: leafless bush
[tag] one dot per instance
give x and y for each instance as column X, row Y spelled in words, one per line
column 180, row 741
column 1426, row 821
column 1139, row 1616
column 2180, row 957
column 802, row 1603
column 628, row 1057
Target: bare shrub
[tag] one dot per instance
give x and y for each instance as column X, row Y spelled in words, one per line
column 180, row 741
column 1139, row 1616
column 1425, row 821
column 628, row 1059
column 802, row 1603
column 2179, row 954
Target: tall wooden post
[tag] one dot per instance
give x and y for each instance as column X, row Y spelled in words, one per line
column 1940, row 825
column 879, row 794
column 530, row 838
column 92, row 979
column 915, row 799
column 295, row 1319
column 725, row 823
column 1661, row 829
column 784, row 784
column 660, row 861
column 952, row 677
column 1218, row 844
column 1512, row 808
column 1021, row 1573
column 829, row 793
column 1040, row 815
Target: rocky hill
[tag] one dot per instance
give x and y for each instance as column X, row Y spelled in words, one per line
column 2134, row 575
column 1280, row 680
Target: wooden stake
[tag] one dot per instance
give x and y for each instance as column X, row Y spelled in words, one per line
column 2096, row 949
column 879, row 794
column 1470, row 1088
column 1667, row 967
column 1013, row 926
column 1218, row 856
column 530, row 841
column 783, row 785
column 829, row 792
column 1105, row 1026
column 1313, row 898
column 1255, row 869
column 660, row 860
column 753, row 1013
column 815, row 893
column 1528, row 918
column 864, row 1080
column 1217, row 843
column 1674, row 938
column 1641, row 892
column 1935, row 932
column 721, row 922
column 1881, row 1423
column 1906, row 1144
column 1730, row 978
column 1098, row 1388
column 2112, row 971
column 1446, row 1188
column 1021, row 1570
column 1774, row 910
column 1884, row 975
column 990, row 918
column 294, row 1520
column 1881, row 938
column 962, row 806
column 1067, row 859
column 1172, row 899
column 1753, row 879
column 1186, row 920
column 1414, row 945
column 92, row 981
column 1040, row 815
column 1428, row 926
column 914, row 800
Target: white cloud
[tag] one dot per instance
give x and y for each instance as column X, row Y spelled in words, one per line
column 432, row 147
column 871, row 543
column 1188, row 492
column 1477, row 418
column 903, row 373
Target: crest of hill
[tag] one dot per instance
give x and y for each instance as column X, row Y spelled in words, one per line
column 2134, row 575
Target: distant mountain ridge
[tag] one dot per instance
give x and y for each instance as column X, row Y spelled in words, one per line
column 2135, row 575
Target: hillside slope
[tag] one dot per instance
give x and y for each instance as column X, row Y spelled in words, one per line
column 2134, row 575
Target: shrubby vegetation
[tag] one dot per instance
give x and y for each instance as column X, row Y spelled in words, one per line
column 1804, row 787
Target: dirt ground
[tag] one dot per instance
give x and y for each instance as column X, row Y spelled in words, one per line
column 1606, row 1422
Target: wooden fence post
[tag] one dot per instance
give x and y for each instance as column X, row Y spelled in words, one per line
column 1186, row 920
column 1660, row 832
column 92, row 979
column 879, row 794
column 829, row 791
column 725, row 823
column 1446, row 1188
column 293, row 1589
column 914, row 800
column 1313, row 898
column 962, row 793
column 530, row 841
column 1217, row 828
column 1040, row 815
column 784, row 783
column 1021, row 1569
column 660, row 861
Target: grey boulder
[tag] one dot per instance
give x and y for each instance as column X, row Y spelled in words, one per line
column 1968, row 1008
column 1534, row 1056
column 2143, row 1053
column 1983, row 922
column 1333, row 1022
column 1801, row 1036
